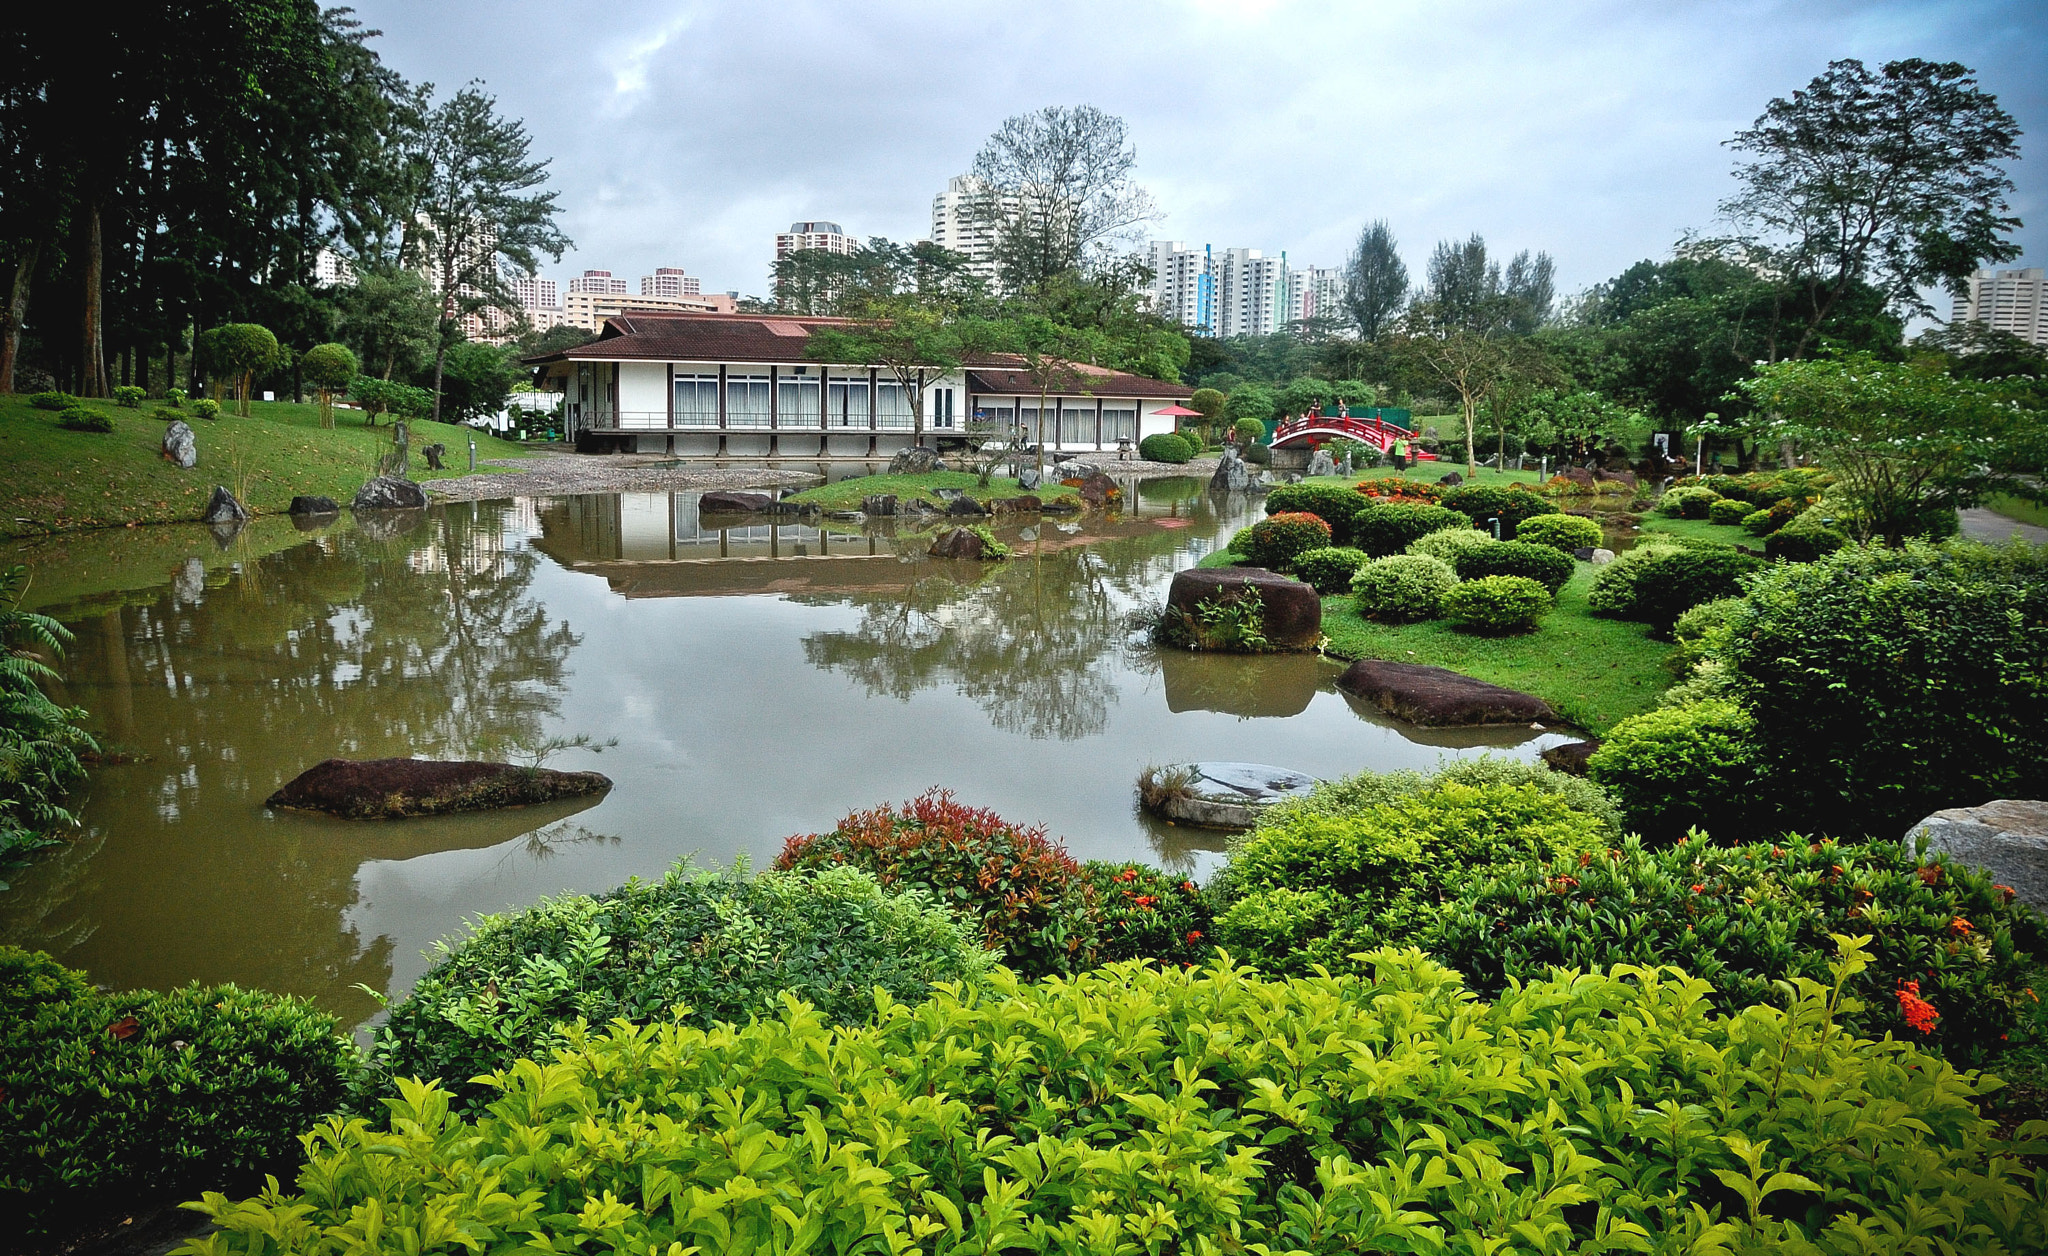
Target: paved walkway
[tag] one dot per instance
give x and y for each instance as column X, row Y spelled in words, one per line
column 1981, row 523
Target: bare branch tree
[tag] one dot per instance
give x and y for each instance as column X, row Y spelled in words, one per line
column 1054, row 192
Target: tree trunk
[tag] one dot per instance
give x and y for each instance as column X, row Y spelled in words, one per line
column 11, row 318
column 440, row 360
column 1471, row 454
column 92, row 380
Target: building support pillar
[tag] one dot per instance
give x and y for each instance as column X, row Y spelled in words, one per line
column 874, row 416
column 774, row 402
column 721, row 410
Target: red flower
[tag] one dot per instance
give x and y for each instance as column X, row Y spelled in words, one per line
column 1145, row 901
column 1919, row 1013
column 1960, row 927
column 1930, row 874
column 1194, row 936
column 1187, row 887
column 1699, row 889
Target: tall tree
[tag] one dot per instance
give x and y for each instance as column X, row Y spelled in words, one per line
column 1465, row 288
column 479, row 209
column 1891, row 177
column 1375, row 281
column 1055, row 192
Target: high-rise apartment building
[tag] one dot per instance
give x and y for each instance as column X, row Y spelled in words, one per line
column 813, row 235
column 1315, row 292
column 331, row 269
column 959, row 224
column 535, row 293
column 668, row 281
column 2013, row 301
column 1251, row 292
column 1183, row 287
column 598, row 281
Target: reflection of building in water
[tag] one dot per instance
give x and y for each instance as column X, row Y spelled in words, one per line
column 586, row 531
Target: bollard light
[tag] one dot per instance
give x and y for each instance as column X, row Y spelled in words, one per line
column 472, row 453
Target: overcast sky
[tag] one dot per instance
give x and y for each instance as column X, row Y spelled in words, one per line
column 690, row 133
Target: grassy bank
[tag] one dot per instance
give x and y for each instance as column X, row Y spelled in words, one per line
column 847, row 494
column 1701, row 530
column 2019, row 508
column 58, row 480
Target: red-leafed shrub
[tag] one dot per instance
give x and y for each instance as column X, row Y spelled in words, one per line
column 1022, row 888
column 1273, row 543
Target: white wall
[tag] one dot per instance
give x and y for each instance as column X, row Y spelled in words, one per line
column 643, row 394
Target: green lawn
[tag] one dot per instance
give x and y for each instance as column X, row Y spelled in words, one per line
column 847, row 494
column 2020, row 509
column 1592, row 671
column 58, row 480
column 1700, row 530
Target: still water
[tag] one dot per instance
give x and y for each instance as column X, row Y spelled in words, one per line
column 760, row 682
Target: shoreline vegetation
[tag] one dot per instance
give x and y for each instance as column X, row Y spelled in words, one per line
column 60, row 480
column 848, row 494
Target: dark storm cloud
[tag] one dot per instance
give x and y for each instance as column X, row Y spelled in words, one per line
column 689, row 134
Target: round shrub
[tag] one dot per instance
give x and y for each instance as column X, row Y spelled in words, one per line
column 1143, row 913
column 1248, row 431
column 725, row 948
column 1562, row 532
column 80, row 419
column 1888, row 684
column 1746, row 919
column 174, row 398
column 1402, row 587
column 1804, row 539
column 1728, row 512
column 1165, row 447
column 1680, row 768
column 130, row 1100
column 1760, row 523
column 1700, row 630
column 1450, row 542
column 129, row 397
column 1021, row 890
column 206, row 408
column 1391, row 529
column 1540, row 563
column 1273, row 543
column 1483, row 502
column 1688, row 503
column 53, row 401
column 1497, row 605
column 1259, row 455
column 1655, row 584
column 1334, row 505
column 1329, row 569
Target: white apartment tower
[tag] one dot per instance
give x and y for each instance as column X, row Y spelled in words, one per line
column 812, row 235
column 1251, row 292
column 958, row 225
column 1315, row 292
column 2013, row 301
column 598, row 281
column 1183, row 287
column 669, row 281
column 535, row 293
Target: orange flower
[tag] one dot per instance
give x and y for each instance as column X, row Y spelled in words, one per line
column 1919, row 1013
column 1930, row 874
column 1699, row 889
column 1960, row 927
column 1194, row 936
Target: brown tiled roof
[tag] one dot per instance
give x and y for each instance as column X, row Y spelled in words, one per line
column 667, row 336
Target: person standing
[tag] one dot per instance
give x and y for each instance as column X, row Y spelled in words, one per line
column 1400, row 453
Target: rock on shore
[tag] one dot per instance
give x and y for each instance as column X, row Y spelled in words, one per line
column 393, row 789
column 2007, row 838
column 1438, row 697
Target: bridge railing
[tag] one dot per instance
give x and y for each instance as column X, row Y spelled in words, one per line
column 1371, row 431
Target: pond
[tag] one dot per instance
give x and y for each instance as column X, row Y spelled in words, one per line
column 759, row 681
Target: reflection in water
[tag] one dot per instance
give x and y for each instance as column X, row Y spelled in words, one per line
column 762, row 680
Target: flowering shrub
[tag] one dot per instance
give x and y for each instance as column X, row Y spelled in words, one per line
column 1022, row 890
column 1273, row 543
column 1397, row 489
column 1953, row 956
column 1143, row 913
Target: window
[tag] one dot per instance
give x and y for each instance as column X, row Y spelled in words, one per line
column 1073, row 420
column 941, row 406
column 1119, row 424
column 1033, row 433
column 892, row 405
column 746, row 400
column 696, row 401
column 796, row 401
column 846, row 402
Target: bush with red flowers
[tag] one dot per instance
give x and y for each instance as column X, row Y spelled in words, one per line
column 1143, row 913
column 1392, row 488
column 1022, row 888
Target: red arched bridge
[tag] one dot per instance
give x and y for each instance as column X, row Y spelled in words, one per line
column 1314, row 429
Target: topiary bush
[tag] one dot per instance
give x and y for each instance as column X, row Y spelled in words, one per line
column 1749, row 918
column 80, row 419
column 1449, row 543
column 1540, row 563
column 1888, row 684
column 1702, row 629
column 1680, row 768
column 206, row 408
column 1390, row 529
column 1566, row 533
column 1804, row 539
column 1482, row 503
column 53, row 401
column 1167, row 1111
column 1166, row 447
column 1333, row 504
column 1273, row 543
column 115, row 1103
column 1402, row 588
column 1248, row 431
column 1728, row 512
column 1655, row 584
column 1259, row 455
column 723, row 948
column 1143, row 913
column 1315, row 887
column 1687, row 503
column 1760, row 523
column 174, row 398
column 1022, row 891
column 1498, row 605
column 1329, row 569
column 129, row 397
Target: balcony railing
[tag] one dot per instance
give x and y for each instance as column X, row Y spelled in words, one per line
column 660, row 421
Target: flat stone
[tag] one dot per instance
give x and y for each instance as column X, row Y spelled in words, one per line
column 390, row 789
column 180, row 446
column 314, row 506
column 1291, row 613
column 2006, row 838
column 1026, row 504
column 1617, row 477
column 956, row 543
column 389, row 492
column 1231, row 795
column 223, row 507
column 1570, row 758
column 722, row 501
column 1438, row 697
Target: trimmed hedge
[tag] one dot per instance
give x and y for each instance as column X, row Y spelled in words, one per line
column 129, row 397
column 1687, row 503
column 1165, row 447
column 1681, row 767
column 1334, row 505
column 1391, row 529
column 54, row 401
column 1329, row 569
column 1540, row 563
column 1450, row 543
column 1568, row 533
column 1728, row 512
column 1655, row 584
column 1402, row 587
column 80, row 419
column 1804, row 539
column 1482, row 502
column 1274, row 543
column 1498, row 605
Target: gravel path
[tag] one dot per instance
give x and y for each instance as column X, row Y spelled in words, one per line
column 549, row 474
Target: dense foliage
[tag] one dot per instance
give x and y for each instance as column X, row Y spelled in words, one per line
column 110, row 1103
column 1022, row 891
column 1688, row 502
column 1329, row 569
column 1498, row 605
column 84, row 419
column 1166, row 447
column 1483, row 503
column 1887, row 684
column 1807, row 537
column 1681, row 767
column 1745, row 919
column 1655, row 583
column 1391, row 529
column 40, row 741
column 1144, row 913
column 1273, row 543
column 1138, row 1110
column 1568, row 533
column 1541, row 563
column 1392, row 489
column 1728, row 512
column 1402, row 587
column 708, row 949
column 1449, row 543
column 1333, row 504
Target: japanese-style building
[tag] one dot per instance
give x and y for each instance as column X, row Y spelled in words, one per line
column 744, row 384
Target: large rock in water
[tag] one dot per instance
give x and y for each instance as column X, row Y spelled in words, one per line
column 1570, row 758
column 389, row 492
column 180, row 445
column 1219, row 795
column 1437, row 696
column 1290, row 612
column 2007, row 838
column 222, row 507
column 1321, row 464
column 1097, row 489
column 719, row 502
column 956, row 543
column 314, row 506
column 1232, row 475
column 392, row 789
column 917, row 460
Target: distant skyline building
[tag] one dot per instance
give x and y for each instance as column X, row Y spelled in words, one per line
column 332, row 270
column 1239, row 291
column 669, row 281
column 1251, row 292
column 599, row 282
column 2014, row 301
column 818, row 234
column 957, row 225
column 588, row 310
column 1315, row 292
column 1183, row 285
column 535, row 293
